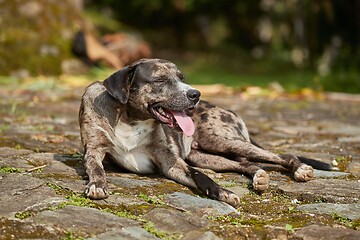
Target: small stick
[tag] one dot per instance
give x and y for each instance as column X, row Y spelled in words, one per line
column 35, row 168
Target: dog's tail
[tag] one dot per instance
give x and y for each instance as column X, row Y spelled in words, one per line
column 309, row 161
column 317, row 164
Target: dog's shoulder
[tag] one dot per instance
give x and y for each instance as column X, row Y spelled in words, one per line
column 97, row 97
column 99, row 107
column 94, row 90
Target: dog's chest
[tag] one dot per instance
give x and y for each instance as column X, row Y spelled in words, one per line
column 135, row 135
column 130, row 146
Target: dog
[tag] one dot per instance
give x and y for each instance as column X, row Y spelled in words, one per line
column 147, row 120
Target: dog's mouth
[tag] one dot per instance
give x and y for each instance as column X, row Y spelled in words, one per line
column 174, row 119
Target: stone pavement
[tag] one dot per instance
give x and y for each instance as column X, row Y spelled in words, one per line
column 42, row 178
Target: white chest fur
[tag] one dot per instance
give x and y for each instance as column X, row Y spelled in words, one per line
column 135, row 135
column 130, row 143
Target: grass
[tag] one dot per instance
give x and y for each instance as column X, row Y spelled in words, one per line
column 242, row 71
column 234, row 69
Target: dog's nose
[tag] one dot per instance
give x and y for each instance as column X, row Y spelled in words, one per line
column 193, row 94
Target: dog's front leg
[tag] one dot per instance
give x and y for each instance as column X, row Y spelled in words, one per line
column 176, row 169
column 97, row 186
column 211, row 189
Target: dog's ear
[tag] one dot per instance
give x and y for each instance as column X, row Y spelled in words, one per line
column 118, row 84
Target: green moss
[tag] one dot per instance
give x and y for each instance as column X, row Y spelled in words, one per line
column 343, row 162
column 140, row 209
column 289, row 228
column 227, row 183
column 23, row 215
column 149, row 227
column 238, row 221
column 57, row 188
column 18, row 147
column 157, row 200
column 345, row 221
column 4, row 127
column 73, row 198
column 122, row 213
column 80, row 201
column 356, row 224
column 72, row 236
column 10, row 170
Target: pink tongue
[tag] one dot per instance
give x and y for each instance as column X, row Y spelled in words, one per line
column 185, row 123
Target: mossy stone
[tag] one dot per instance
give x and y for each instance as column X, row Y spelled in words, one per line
column 35, row 35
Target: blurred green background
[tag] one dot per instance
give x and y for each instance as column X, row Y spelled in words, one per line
column 296, row 43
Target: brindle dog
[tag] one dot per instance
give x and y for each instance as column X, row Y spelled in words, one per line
column 146, row 119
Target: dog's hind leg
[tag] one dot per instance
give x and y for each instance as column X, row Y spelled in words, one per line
column 302, row 172
column 221, row 164
column 222, row 132
column 239, row 148
column 97, row 186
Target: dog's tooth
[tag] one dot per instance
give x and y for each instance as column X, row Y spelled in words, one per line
column 161, row 110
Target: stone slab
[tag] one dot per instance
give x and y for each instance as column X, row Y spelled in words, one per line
column 197, row 204
column 75, row 185
column 316, row 232
column 16, row 229
column 127, row 233
column 11, row 152
column 11, row 157
column 174, row 221
column 350, row 211
column 329, row 174
column 21, row 192
column 326, row 190
column 131, row 183
column 82, row 220
column 198, row 235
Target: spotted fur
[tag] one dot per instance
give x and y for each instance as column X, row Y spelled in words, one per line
column 117, row 120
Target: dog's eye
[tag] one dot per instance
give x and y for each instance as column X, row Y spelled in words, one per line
column 180, row 75
column 160, row 79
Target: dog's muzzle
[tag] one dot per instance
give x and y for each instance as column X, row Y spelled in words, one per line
column 177, row 118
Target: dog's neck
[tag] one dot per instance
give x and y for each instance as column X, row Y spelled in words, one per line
column 131, row 115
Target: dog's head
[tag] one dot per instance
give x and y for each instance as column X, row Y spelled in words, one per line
column 155, row 88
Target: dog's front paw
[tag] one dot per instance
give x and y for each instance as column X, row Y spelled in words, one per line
column 228, row 197
column 304, row 173
column 96, row 190
column 261, row 180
